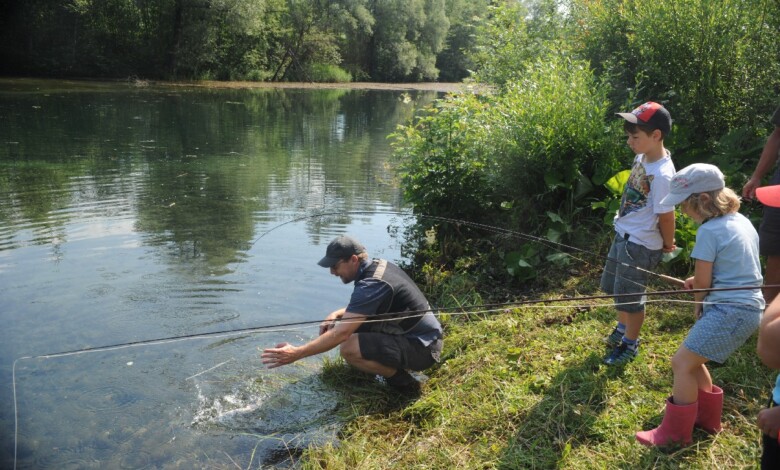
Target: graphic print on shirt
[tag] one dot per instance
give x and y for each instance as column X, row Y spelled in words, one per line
column 636, row 190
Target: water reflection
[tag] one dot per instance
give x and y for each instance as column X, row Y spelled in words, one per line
column 128, row 214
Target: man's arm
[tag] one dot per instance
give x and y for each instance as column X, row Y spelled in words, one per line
column 769, row 335
column 330, row 320
column 765, row 163
column 286, row 353
column 666, row 226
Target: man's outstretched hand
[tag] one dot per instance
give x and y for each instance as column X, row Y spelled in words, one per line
column 282, row 354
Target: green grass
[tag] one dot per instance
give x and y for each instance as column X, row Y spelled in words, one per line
column 526, row 389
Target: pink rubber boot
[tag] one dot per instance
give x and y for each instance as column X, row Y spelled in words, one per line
column 710, row 410
column 676, row 427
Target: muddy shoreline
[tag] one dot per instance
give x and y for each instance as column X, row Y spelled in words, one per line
column 430, row 86
column 12, row 83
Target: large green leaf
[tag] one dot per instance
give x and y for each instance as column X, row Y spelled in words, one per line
column 617, row 182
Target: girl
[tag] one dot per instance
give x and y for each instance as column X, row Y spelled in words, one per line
column 726, row 254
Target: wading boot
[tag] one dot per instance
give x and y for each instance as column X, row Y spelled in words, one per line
column 710, row 410
column 675, row 429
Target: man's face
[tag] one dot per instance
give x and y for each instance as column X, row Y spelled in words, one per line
column 346, row 269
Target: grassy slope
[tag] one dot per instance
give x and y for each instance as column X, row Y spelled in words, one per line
column 526, row 389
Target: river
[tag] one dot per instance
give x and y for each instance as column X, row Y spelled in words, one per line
column 130, row 213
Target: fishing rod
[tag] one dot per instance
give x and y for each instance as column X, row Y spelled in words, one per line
column 383, row 317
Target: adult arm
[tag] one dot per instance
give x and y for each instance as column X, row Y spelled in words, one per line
column 765, row 163
column 701, row 279
column 769, row 421
column 769, row 336
column 286, row 353
column 666, row 226
column 330, row 320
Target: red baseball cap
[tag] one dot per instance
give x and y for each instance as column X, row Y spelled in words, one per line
column 650, row 114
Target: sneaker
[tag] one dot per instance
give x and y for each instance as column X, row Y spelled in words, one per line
column 620, row 355
column 404, row 382
column 614, row 339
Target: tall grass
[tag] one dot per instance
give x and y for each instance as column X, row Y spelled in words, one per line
column 526, row 389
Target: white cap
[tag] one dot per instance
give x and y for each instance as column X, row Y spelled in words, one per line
column 693, row 179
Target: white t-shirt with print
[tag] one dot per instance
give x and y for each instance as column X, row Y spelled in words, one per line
column 641, row 201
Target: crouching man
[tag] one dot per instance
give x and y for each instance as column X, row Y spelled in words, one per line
column 386, row 329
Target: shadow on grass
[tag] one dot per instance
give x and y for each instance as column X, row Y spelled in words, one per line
column 361, row 393
column 565, row 417
column 571, row 423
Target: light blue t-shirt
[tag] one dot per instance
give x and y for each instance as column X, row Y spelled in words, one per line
column 776, row 391
column 731, row 243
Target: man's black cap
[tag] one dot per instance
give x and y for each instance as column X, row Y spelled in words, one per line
column 340, row 248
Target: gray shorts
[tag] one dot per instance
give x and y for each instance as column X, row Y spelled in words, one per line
column 398, row 351
column 769, row 230
column 621, row 275
column 722, row 329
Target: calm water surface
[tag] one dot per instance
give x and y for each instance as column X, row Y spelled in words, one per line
column 129, row 214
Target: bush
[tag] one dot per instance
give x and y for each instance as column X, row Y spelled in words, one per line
column 328, row 73
column 524, row 158
column 714, row 64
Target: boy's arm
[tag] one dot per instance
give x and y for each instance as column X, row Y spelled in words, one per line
column 666, row 226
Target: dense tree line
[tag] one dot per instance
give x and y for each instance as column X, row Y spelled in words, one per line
column 266, row 40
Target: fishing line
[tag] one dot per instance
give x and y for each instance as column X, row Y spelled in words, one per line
column 560, row 247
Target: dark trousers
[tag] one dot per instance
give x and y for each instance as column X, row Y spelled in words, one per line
column 770, row 458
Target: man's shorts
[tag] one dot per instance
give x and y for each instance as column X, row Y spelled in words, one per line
column 722, row 329
column 398, row 351
column 769, row 230
column 621, row 275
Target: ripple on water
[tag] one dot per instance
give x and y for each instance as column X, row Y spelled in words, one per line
column 106, row 398
column 97, row 291
column 135, row 459
column 216, row 317
column 64, row 459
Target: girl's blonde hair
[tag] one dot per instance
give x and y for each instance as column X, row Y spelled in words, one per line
column 720, row 202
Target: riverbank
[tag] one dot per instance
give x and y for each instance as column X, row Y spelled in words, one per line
column 525, row 388
column 432, row 86
column 9, row 83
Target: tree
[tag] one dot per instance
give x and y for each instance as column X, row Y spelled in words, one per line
column 407, row 36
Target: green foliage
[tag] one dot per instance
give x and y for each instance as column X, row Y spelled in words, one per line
column 408, row 34
column 466, row 16
column 527, row 157
column 714, row 64
column 515, row 35
column 324, row 73
column 550, row 123
column 611, row 203
column 444, row 162
column 279, row 40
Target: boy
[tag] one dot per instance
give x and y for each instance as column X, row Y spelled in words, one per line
column 644, row 227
